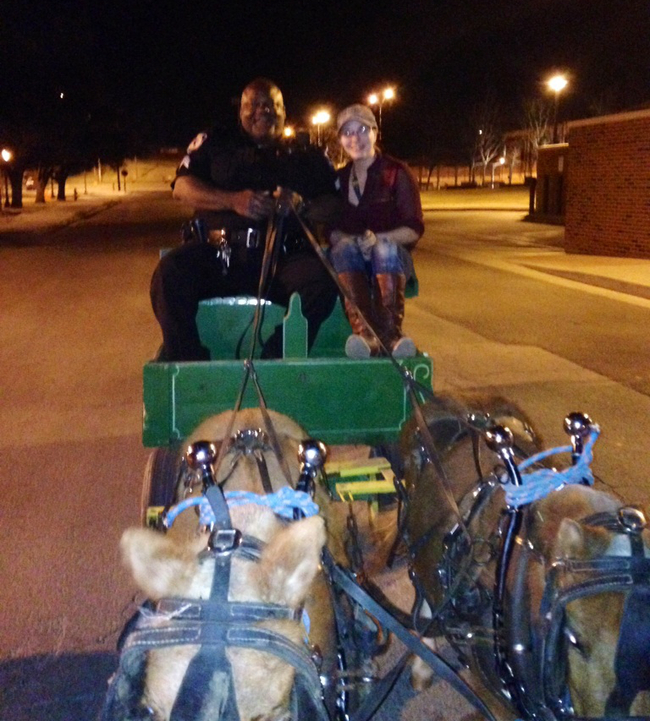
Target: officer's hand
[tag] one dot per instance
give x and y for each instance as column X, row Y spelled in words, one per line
column 286, row 200
column 255, row 204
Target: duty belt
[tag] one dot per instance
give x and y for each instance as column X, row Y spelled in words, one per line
column 197, row 230
column 248, row 237
column 227, row 239
column 224, row 240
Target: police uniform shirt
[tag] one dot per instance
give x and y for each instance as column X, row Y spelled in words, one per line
column 232, row 161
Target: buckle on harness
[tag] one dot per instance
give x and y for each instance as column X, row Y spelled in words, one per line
column 224, row 541
column 631, row 519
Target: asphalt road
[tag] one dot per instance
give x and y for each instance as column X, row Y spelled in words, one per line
column 499, row 316
column 76, row 328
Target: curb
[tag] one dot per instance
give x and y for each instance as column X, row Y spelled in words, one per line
column 84, row 215
column 22, row 236
column 599, row 281
column 469, row 210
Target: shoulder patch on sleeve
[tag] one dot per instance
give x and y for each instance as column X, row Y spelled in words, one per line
column 197, row 142
column 337, row 183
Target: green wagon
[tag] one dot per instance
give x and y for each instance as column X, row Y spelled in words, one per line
column 336, row 399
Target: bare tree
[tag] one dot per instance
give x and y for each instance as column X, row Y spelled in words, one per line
column 487, row 134
column 512, row 152
column 537, row 118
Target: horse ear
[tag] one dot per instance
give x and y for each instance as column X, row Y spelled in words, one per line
column 160, row 565
column 570, row 540
column 290, row 562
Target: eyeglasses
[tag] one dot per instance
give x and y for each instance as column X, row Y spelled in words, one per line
column 265, row 107
column 361, row 131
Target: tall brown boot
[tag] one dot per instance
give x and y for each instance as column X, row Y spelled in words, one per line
column 389, row 311
column 361, row 344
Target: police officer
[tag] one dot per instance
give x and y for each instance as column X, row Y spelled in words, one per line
column 232, row 180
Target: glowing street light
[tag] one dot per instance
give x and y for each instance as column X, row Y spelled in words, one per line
column 557, row 84
column 6, row 155
column 379, row 99
column 320, row 118
column 288, row 131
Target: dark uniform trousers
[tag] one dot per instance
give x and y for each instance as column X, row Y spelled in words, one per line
column 193, row 272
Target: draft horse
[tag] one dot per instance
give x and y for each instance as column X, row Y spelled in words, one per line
column 234, row 590
column 539, row 582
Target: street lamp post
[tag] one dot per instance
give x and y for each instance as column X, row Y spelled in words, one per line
column 379, row 99
column 7, row 155
column 319, row 119
column 557, row 84
column 500, row 161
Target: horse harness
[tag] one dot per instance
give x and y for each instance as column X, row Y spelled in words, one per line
column 215, row 623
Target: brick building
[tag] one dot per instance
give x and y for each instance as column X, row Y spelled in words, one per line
column 608, row 186
column 598, row 185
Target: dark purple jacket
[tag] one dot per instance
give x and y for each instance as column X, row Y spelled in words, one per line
column 390, row 199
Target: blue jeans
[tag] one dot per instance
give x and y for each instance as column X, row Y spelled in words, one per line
column 385, row 257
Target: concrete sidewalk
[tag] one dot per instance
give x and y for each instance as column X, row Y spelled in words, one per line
column 92, row 197
column 47, row 217
column 622, row 275
column 625, row 275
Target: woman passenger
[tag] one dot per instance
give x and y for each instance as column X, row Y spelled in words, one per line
column 371, row 248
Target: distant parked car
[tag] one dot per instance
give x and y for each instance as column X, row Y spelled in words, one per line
column 30, row 183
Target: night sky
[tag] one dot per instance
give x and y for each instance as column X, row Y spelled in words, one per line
column 174, row 67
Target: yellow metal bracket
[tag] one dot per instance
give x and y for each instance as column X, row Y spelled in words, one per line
column 355, row 480
column 153, row 515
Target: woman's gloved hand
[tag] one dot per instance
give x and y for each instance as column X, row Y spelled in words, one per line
column 365, row 242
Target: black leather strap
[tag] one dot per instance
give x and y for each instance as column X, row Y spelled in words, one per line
column 221, row 575
column 343, row 579
column 632, row 663
column 210, row 610
column 207, row 684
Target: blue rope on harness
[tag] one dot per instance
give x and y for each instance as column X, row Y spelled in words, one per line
column 538, row 484
column 281, row 503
